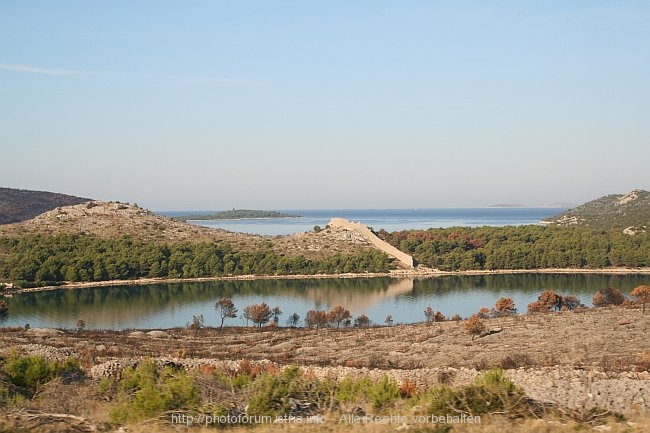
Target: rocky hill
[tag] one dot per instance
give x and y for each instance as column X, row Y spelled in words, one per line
column 628, row 212
column 115, row 219
column 19, row 204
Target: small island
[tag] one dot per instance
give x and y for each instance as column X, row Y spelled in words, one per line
column 507, row 205
column 237, row 214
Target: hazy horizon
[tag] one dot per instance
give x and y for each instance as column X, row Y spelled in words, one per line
column 325, row 105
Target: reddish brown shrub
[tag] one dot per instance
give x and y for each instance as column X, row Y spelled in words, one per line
column 474, row 325
column 551, row 299
column 315, row 319
column 362, row 321
column 354, row 363
column 538, row 307
column 504, row 307
column 607, row 297
column 338, row 315
column 408, row 388
column 641, row 295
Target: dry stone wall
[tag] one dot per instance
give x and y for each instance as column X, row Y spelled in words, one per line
column 373, row 239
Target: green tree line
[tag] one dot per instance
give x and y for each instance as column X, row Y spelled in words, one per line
column 41, row 260
column 522, row 247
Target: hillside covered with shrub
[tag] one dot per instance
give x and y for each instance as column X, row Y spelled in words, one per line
column 522, row 247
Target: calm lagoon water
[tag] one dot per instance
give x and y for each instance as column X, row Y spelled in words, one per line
column 388, row 219
column 172, row 305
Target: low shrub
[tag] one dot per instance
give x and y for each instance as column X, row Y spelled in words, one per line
column 474, row 325
column 380, row 394
column 608, row 297
column 288, row 393
column 491, row 393
column 28, row 373
column 516, row 360
column 145, row 391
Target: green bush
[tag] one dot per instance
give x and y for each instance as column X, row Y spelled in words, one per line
column 381, row 394
column 278, row 394
column 145, row 391
column 30, row 372
column 491, row 393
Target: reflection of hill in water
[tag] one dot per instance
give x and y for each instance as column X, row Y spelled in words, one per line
column 585, row 284
column 120, row 306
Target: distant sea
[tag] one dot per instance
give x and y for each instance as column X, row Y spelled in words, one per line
column 388, row 219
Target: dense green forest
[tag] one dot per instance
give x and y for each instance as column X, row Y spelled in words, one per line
column 41, row 260
column 522, row 247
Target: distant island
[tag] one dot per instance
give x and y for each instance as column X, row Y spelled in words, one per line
column 508, row 205
column 236, row 214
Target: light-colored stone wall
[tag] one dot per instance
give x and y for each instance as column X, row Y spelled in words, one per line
column 373, row 239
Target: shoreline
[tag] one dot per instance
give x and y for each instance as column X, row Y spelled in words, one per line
column 400, row 273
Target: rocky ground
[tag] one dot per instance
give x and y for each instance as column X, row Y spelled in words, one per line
column 594, row 358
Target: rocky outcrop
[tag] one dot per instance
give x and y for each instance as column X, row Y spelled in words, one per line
column 366, row 233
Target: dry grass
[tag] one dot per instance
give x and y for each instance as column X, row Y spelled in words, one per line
column 488, row 425
column 589, row 339
column 592, row 339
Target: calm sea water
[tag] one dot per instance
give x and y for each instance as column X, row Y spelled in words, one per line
column 173, row 305
column 388, row 219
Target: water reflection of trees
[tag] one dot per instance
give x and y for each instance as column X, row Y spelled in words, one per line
column 528, row 283
column 109, row 306
column 157, row 297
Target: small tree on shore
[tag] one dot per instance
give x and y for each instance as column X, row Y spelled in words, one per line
column 338, row 315
column 315, row 319
column 571, row 302
column 260, row 314
column 389, row 320
column 362, row 321
column 246, row 314
column 276, row 313
column 551, row 299
column 504, row 307
column 474, row 326
column 225, row 309
column 607, row 297
column 197, row 323
column 293, row 320
column 429, row 314
column 642, row 295
column 483, row 313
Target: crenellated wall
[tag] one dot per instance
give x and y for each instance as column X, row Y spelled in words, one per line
column 373, row 239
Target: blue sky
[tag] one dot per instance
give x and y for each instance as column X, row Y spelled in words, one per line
column 319, row 104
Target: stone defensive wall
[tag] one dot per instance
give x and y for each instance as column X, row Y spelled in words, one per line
column 373, row 239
